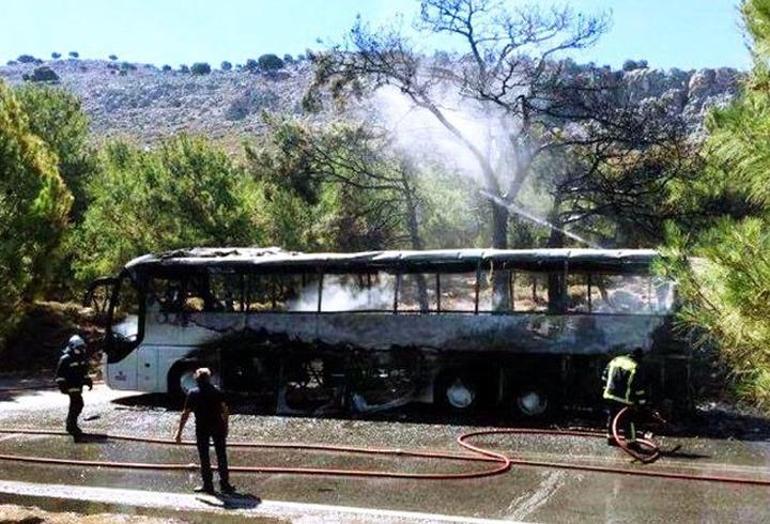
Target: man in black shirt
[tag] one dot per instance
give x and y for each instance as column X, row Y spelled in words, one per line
column 211, row 417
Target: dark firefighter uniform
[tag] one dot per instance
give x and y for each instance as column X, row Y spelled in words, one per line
column 71, row 376
column 623, row 387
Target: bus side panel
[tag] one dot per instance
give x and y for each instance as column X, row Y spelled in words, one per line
column 122, row 374
column 524, row 333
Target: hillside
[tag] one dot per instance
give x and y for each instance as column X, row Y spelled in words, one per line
column 146, row 103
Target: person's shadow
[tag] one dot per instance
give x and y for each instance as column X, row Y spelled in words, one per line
column 91, row 438
column 231, row 501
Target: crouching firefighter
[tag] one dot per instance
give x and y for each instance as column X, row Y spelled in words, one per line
column 71, row 376
column 623, row 387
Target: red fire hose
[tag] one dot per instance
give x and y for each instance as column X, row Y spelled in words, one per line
column 502, row 463
column 648, row 451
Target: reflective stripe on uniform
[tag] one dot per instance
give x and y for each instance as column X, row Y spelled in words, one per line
column 73, row 390
column 627, row 364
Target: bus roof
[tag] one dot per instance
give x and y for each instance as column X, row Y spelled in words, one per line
column 277, row 259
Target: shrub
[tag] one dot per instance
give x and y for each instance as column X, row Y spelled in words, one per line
column 166, row 68
column 113, row 57
column 55, row 55
column 26, row 59
column 43, row 74
column 630, row 65
column 226, row 66
column 200, row 68
column 127, row 66
column 250, row 102
column 288, row 58
column 184, row 69
column 251, row 65
column 11, row 62
column 57, row 117
column 190, row 193
column 74, row 54
column 270, row 62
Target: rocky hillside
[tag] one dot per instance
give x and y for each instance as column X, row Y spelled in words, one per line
column 145, row 102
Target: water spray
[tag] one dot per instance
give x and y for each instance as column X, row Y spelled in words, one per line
column 537, row 220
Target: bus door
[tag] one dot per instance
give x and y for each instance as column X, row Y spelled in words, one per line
column 147, row 368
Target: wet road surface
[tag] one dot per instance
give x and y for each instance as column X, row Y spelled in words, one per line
column 525, row 493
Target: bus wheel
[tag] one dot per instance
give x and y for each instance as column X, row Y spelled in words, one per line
column 533, row 401
column 181, row 379
column 458, row 391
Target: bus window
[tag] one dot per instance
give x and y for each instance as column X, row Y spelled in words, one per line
column 125, row 313
column 226, row 288
column 181, row 294
column 530, row 291
column 577, row 293
column 662, row 295
column 417, row 292
column 458, row 291
column 165, row 294
column 358, row 292
column 628, row 294
column 489, row 299
column 278, row 291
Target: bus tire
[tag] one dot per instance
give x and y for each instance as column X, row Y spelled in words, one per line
column 459, row 391
column 180, row 379
column 534, row 401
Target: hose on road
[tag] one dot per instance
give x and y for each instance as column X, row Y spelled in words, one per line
column 502, row 463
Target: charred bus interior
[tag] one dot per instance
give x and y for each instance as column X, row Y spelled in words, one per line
column 519, row 332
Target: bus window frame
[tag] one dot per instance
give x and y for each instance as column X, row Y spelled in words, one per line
column 398, row 271
column 110, row 338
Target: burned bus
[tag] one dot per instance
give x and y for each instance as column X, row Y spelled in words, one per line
column 522, row 331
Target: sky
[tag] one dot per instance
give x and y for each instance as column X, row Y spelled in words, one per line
column 667, row 33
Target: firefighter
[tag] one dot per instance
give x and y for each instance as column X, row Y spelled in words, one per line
column 623, row 387
column 71, row 376
column 211, row 420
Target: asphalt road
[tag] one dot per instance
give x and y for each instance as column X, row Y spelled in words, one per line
column 524, row 494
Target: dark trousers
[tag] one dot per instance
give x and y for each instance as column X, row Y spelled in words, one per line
column 627, row 428
column 76, row 407
column 202, row 441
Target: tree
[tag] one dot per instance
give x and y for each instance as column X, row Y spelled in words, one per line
column 33, row 210
column 57, row 117
column 55, row 55
column 200, row 68
column 344, row 175
column 270, row 62
column 113, row 57
column 226, row 66
column 184, row 68
column 615, row 184
column 252, row 66
column 184, row 193
column 74, row 54
column 26, row 59
column 508, row 75
column 726, row 288
column 166, row 68
column 42, row 74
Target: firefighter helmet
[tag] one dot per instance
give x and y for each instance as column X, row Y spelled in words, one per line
column 76, row 342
